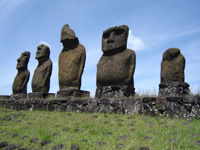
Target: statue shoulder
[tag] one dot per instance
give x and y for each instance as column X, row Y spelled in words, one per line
column 27, row 72
column 81, row 48
column 130, row 52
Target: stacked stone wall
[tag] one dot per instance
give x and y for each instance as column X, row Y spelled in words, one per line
column 176, row 107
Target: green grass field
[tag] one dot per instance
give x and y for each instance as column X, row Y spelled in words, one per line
column 94, row 131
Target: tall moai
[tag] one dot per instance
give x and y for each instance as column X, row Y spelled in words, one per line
column 42, row 74
column 20, row 82
column 116, row 66
column 71, row 64
column 172, row 74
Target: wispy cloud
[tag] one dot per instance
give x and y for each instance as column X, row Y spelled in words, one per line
column 180, row 33
column 134, row 42
column 172, row 35
column 7, row 7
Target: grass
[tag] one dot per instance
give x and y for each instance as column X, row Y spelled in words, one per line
column 97, row 131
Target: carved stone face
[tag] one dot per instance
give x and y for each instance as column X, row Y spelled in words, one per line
column 22, row 61
column 42, row 52
column 114, row 38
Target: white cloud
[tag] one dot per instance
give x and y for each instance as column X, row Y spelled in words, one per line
column 46, row 43
column 136, row 43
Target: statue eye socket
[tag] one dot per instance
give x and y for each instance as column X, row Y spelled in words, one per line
column 106, row 35
column 116, row 32
column 119, row 31
column 24, row 54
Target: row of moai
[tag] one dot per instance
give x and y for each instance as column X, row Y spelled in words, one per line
column 115, row 69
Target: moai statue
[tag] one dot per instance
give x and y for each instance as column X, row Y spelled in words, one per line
column 172, row 74
column 116, row 66
column 20, row 82
column 42, row 74
column 71, row 64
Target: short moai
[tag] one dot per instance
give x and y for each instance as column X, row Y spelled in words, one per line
column 172, row 74
column 71, row 64
column 116, row 66
column 42, row 74
column 20, row 82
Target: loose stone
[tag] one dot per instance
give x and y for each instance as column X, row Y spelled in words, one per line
column 75, row 147
column 3, row 144
column 43, row 143
column 101, row 143
column 57, row 147
column 11, row 147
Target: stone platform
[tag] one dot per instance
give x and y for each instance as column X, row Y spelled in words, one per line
column 72, row 93
column 173, row 89
column 40, row 95
column 176, row 107
column 115, row 91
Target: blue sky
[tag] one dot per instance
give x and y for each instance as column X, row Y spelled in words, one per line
column 154, row 27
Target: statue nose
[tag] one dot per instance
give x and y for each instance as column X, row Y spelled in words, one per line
column 110, row 41
column 111, row 38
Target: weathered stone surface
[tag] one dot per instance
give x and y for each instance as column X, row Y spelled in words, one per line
column 40, row 95
column 75, row 147
column 24, row 137
column 115, row 91
column 57, row 147
column 116, row 66
column 161, row 103
column 18, row 96
column 3, row 144
column 131, row 106
column 172, row 66
column 148, row 99
column 71, row 60
column 3, row 97
column 197, row 97
column 11, row 147
column 22, row 149
column 15, row 135
column 149, row 106
column 178, row 107
column 45, row 142
column 173, row 89
column 144, row 148
column 42, row 74
column 73, row 93
column 172, row 75
column 195, row 112
column 20, row 82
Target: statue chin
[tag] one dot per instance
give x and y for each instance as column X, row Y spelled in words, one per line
column 20, row 67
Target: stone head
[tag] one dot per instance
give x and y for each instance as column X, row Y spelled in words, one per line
column 115, row 37
column 23, row 60
column 67, row 33
column 171, row 53
column 43, row 51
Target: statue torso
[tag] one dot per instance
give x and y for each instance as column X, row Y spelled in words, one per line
column 114, row 70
